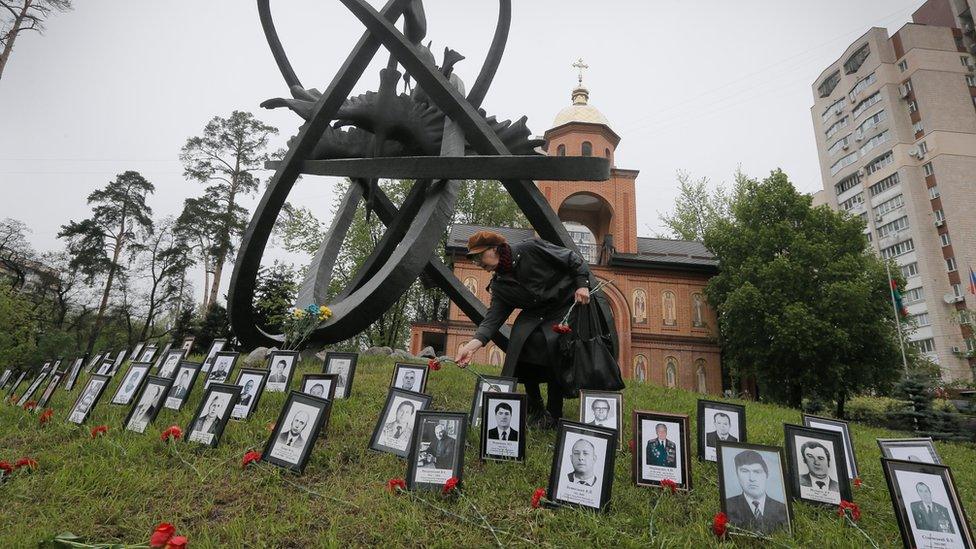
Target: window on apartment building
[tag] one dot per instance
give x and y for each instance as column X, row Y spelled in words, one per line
column 898, row 249
column 844, row 162
column 853, row 64
column 879, row 162
column 869, row 123
column 835, row 108
column 909, row 270
column 918, row 127
column 950, row 264
column 939, row 215
column 970, row 344
column 927, row 169
column 847, row 183
column 957, row 289
column 923, row 147
column 828, row 85
column 863, row 83
column 893, row 227
column 840, row 145
column 971, row 81
column 914, row 295
column 903, row 65
column 866, row 104
column 852, row 202
column 870, row 237
column 837, row 126
column 924, row 345
column 934, row 192
column 944, row 237
column 892, row 203
column 884, row 184
column 964, row 59
column 874, row 142
column 908, row 85
column 912, row 106
column 922, row 319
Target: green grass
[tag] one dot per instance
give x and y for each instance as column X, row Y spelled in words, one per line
column 118, row 487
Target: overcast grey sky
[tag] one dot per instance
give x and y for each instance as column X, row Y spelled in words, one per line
column 701, row 86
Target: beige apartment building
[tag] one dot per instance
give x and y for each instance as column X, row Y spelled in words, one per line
column 895, row 123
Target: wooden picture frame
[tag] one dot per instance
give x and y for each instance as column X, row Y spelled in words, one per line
column 760, row 468
column 405, row 376
column 609, row 405
column 489, row 384
column 343, row 365
column 221, row 368
column 326, row 385
column 128, row 387
column 832, row 424
column 927, row 505
column 88, row 398
column 654, row 460
column 394, row 426
column 248, row 401
column 281, row 370
column 713, row 417
column 910, row 449
column 812, row 453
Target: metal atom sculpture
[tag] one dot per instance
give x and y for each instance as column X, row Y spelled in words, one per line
column 432, row 133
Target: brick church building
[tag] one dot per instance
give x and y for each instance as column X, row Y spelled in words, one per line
column 666, row 329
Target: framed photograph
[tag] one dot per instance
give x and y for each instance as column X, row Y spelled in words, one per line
column 95, row 361
column 88, row 398
column 602, row 409
column 32, row 388
column 119, row 359
column 7, row 375
column 148, row 404
column 719, row 422
column 215, row 408
column 437, row 449
column 170, row 363
column 394, row 427
column 910, row 449
column 131, row 383
column 106, row 368
column 183, row 382
column 752, row 487
column 818, row 470
column 221, row 368
column 343, row 365
column 215, row 347
column 16, row 384
column 46, row 367
column 251, row 381
column 148, row 353
column 489, row 384
column 320, row 385
column 57, row 364
column 137, row 349
column 55, row 380
column 187, row 345
column 582, row 465
column 409, row 377
column 662, row 449
column 73, row 372
column 301, row 420
column 929, row 511
column 842, row 427
column 503, row 426
column 281, row 365
column 161, row 356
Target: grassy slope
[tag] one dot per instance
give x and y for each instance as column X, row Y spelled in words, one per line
column 116, row 488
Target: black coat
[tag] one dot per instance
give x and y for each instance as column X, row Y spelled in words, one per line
column 543, row 283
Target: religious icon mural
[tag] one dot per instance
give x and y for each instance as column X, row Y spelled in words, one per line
column 495, row 356
column 671, row 371
column 697, row 315
column 471, row 283
column 640, row 368
column 700, row 375
column 668, row 308
column 640, row 306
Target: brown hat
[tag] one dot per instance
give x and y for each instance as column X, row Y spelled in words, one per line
column 482, row 240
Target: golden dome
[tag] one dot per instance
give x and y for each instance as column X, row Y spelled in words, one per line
column 580, row 110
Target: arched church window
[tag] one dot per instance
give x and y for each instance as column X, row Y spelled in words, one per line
column 671, row 371
column 561, row 150
column 700, row 374
column 587, row 148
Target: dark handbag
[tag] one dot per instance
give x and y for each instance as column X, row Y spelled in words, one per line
column 588, row 361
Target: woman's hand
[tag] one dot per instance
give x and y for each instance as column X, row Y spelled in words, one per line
column 466, row 353
column 583, row 295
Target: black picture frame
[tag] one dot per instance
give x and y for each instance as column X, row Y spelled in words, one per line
column 402, row 369
column 148, row 353
column 832, row 424
column 73, row 372
column 171, row 363
column 52, row 384
column 434, row 460
column 920, row 449
column 590, row 407
column 734, row 503
column 495, row 443
column 146, row 406
column 215, row 347
column 336, row 363
column 248, row 401
column 498, row 384
column 96, row 360
column 225, row 397
column 7, row 375
column 706, row 417
column 275, row 383
column 566, row 485
column 93, row 390
column 33, row 387
column 393, row 434
column 941, row 523
column 221, row 375
column 276, row 449
column 119, row 360
column 161, row 356
column 178, row 394
column 808, row 448
column 16, row 384
column 137, row 349
column 105, row 369
column 650, row 463
column 187, row 344
column 125, row 398
column 329, row 383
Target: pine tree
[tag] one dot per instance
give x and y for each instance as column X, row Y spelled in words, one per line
column 274, row 294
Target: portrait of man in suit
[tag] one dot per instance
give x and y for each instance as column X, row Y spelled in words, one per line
column 503, row 424
column 817, row 459
column 294, row 437
column 440, row 453
column 182, row 385
column 583, row 459
column 279, row 372
column 129, row 387
column 209, row 421
column 396, row 433
column 929, row 515
column 723, row 430
column 601, row 414
column 660, row 451
column 409, row 380
column 247, row 393
column 146, row 408
column 221, row 368
column 317, row 390
column 754, row 509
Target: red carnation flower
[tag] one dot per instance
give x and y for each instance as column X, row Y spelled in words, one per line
column 162, row 535
column 250, row 458
column 450, row 485
column 433, row 364
column 858, row 482
column 176, row 542
column 537, row 497
column 850, row 508
column 172, row 431
column 100, row 430
column 25, row 462
column 669, row 484
column 46, row 416
column 720, row 525
column 395, row 485
column 6, row 468
column 562, row 329
column 30, row 405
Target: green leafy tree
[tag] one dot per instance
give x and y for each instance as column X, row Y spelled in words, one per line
column 183, row 327
column 21, row 16
column 803, row 305
column 225, row 159
column 164, row 259
column 698, row 207
column 18, row 329
column 96, row 244
column 15, row 251
column 274, row 294
column 213, row 326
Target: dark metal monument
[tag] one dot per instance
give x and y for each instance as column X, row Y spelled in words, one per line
column 433, row 133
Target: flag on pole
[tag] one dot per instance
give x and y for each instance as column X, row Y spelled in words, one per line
column 972, row 281
column 896, row 295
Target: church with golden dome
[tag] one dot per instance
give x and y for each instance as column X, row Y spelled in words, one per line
column 666, row 329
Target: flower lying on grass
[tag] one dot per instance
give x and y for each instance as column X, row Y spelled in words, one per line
column 6, row 468
column 849, row 508
column 669, row 484
column 46, row 416
column 100, row 430
column 250, row 458
column 539, row 498
column 27, row 462
column 450, row 486
column 720, row 525
column 164, row 536
column 396, row 485
column 172, row 432
column 858, row 482
column 30, row 405
column 434, row 364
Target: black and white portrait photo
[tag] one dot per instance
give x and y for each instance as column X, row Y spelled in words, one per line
column 251, row 382
column 929, row 511
column 409, row 377
column 88, row 398
column 147, row 355
column 131, row 383
column 437, row 452
column 503, row 426
column 281, row 365
column 662, row 451
column 148, row 404
column 752, row 486
column 76, row 365
column 215, row 347
column 601, row 409
column 212, row 415
column 582, row 468
column 16, row 384
column 817, row 468
column 119, row 359
column 182, row 386
column 301, row 420
column 187, row 345
column 489, row 384
column 106, row 368
column 344, row 366
column 160, row 356
column 910, row 449
column 137, row 349
column 32, row 388
column 841, row 427
column 719, row 422
column 52, row 384
column 221, row 368
column 394, row 429
column 94, row 362
column 320, row 385
column 173, row 359
column 5, row 377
